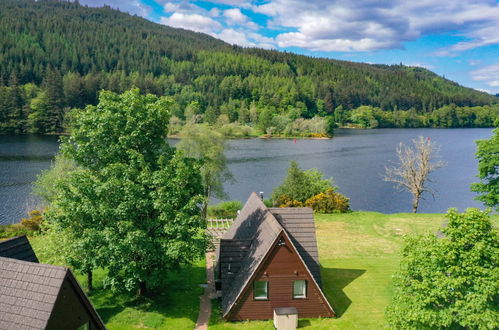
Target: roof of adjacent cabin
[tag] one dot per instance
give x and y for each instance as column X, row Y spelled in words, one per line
column 255, row 231
column 28, row 292
column 17, row 248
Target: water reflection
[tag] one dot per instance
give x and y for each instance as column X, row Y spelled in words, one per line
column 355, row 158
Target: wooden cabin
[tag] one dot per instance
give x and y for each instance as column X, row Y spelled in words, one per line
column 39, row 296
column 268, row 259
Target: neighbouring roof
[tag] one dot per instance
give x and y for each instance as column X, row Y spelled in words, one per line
column 253, row 233
column 28, row 292
column 17, row 248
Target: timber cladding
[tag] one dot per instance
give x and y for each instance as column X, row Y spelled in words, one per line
column 282, row 267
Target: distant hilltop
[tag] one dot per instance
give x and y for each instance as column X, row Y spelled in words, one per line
column 80, row 50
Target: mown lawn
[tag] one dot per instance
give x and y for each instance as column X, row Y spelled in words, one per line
column 174, row 306
column 359, row 254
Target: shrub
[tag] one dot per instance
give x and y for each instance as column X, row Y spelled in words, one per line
column 300, row 185
column 225, row 209
column 286, row 201
column 33, row 222
column 27, row 226
column 329, row 202
column 235, row 130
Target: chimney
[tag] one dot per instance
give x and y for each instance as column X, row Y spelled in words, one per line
column 261, row 195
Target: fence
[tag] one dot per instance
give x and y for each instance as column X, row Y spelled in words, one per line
column 219, row 223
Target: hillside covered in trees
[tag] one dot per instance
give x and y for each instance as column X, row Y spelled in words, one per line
column 57, row 55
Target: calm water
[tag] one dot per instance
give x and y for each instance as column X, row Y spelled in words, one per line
column 354, row 158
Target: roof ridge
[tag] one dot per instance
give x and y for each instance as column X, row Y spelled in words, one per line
column 12, row 238
column 36, row 264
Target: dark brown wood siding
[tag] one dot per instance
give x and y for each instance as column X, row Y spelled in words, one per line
column 69, row 312
column 282, row 267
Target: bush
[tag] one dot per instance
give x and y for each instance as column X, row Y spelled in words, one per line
column 27, row 226
column 300, row 185
column 225, row 209
column 237, row 131
column 329, row 202
column 286, row 201
column 33, row 222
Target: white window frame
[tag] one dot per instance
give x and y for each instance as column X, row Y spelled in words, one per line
column 266, row 291
column 303, row 294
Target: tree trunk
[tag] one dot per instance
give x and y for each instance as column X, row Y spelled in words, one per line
column 142, row 288
column 415, row 204
column 89, row 280
column 205, row 210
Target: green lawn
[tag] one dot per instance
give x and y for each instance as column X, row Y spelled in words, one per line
column 175, row 306
column 359, row 254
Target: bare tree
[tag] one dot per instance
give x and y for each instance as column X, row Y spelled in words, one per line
column 412, row 170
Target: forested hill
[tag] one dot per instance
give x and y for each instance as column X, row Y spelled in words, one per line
column 55, row 55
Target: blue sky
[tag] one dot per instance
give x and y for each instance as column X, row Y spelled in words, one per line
column 455, row 38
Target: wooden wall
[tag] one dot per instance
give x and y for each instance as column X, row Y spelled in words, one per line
column 281, row 268
column 69, row 312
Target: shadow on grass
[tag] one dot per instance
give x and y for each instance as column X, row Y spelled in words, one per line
column 334, row 281
column 175, row 300
column 304, row 323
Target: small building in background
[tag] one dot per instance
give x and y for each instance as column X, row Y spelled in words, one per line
column 268, row 259
column 39, row 296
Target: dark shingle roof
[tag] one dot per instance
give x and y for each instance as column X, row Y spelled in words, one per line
column 17, row 248
column 299, row 223
column 257, row 224
column 28, row 292
column 250, row 238
column 232, row 253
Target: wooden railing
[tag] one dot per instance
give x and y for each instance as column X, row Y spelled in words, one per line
column 219, row 223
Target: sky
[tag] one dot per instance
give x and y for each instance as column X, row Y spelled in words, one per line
column 458, row 39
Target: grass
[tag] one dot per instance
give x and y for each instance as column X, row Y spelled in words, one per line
column 359, row 254
column 174, row 306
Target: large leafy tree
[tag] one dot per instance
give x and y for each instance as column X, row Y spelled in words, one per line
column 132, row 205
column 300, row 185
column 206, row 144
column 451, row 281
column 488, row 170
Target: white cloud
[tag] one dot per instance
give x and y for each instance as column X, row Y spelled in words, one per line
column 245, row 38
column 474, row 62
column 236, row 17
column 421, row 65
column 488, row 74
column 239, row 3
column 214, row 12
column 235, row 37
column 193, row 22
column 364, row 25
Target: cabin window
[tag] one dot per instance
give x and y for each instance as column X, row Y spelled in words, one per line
column 261, row 290
column 299, row 289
